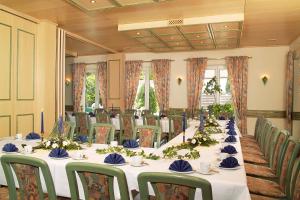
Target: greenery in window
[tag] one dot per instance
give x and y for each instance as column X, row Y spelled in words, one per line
column 90, row 88
column 140, row 99
column 218, row 109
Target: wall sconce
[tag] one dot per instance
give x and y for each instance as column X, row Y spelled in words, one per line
column 67, row 82
column 264, row 78
column 179, row 80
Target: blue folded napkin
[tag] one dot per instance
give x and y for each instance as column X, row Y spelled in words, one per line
column 9, row 147
column 180, row 166
column 131, row 144
column 82, row 138
column 231, row 132
column 230, row 126
column 229, row 149
column 230, row 139
column 114, row 158
column 229, row 162
column 58, row 153
column 33, row 136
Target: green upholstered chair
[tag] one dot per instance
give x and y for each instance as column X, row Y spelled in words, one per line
column 101, row 133
column 151, row 120
column 69, row 129
column 175, row 125
column 258, row 122
column 102, row 117
column 147, row 135
column 281, row 188
column 173, row 186
column 27, row 171
column 82, row 123
column 278, row 144
column 295, row 181
column 97, row 181
column 126, row 127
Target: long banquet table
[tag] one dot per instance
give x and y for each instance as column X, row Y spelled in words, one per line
column 226, row 185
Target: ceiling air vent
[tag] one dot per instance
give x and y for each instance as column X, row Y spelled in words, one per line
column 175, row 22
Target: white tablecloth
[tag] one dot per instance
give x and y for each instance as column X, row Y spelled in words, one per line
column 226, row 185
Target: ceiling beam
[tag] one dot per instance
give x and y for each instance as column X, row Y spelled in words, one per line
column 181, row 33
column 78, row 37
column 71, row 53
column 157, row 37
column 115, row 3
column 211, row 34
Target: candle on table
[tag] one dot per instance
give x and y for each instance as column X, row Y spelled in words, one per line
column 183, row 126
column 60, row 125
column 42, row 121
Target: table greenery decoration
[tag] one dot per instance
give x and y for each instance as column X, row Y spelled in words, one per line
column 202, row 139
column 58, row 142
column 172, row 151
column 211, row 121
column 127, row 152
column 213, row 130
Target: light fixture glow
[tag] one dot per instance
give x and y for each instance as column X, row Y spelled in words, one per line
column 93, row 1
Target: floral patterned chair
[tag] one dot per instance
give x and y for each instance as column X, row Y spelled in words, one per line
column 102, row 118
column 151, row 120
column 27, row 170
column 97, row 181
column 175, row 125
column 101, row 133
column 280, row 188
column 82, row 123
column 126, row 127
column 278, row 144
column 69, row 128
column 148, row 135
column 173, row 186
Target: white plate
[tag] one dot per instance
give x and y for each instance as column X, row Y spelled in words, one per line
column 188, row 172
column 63, row 158
column 116, row 164
column 234, row 168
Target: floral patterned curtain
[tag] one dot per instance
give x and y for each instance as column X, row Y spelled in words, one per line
column 161, row 75
column 289, row 88
column 102, row 78
column 238, row 76
column 78, row 84
column 195, row 76
column 132, row 76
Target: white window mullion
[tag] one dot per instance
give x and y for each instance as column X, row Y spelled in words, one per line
column 97, row 91
column 147, row 86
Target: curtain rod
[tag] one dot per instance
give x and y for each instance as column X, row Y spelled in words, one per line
column 94, row 63
column 213, row 58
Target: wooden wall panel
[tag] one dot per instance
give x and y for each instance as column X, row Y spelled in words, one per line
column 5, row 61
column 24, row 123
column 25, row 65
column 5, row 125
column 114, row 79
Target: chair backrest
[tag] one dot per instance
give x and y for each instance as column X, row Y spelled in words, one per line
column 295, row 181
column 82, row 123
column 104, row 133
column 280, row 143
column 27, row 171
column 126, row 127
column 176, row 111
column 102, row 117
column 130, row 111
column 265, row 131
column 99, row 110
column 151, row 120
column 170, row 186
column 260, row 128
column 270, row 142
column 257, row 125
column 290, row 153
column 148, row 135
column 97, row 181
column 69, row 128
column 175, row 125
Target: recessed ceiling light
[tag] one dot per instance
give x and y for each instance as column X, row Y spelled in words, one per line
column 272, row 39
column 225, row 26
column 93, row 1
column 138, row 33
column 198, row 36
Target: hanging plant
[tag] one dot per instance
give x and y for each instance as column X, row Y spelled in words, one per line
column 212, row 87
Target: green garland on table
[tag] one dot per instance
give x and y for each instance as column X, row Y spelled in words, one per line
column 172, row 152
column 202, row 139
column 211, row 121
column 212, row 130
column 58, row 142
column 127, row 152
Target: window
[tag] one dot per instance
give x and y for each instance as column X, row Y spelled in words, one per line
column 91, row 95
column 220, row 72
column 145, row 98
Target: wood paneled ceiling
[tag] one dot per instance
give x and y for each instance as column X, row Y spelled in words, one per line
column 187, row 38
column 95, row 5
column 266, row 23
